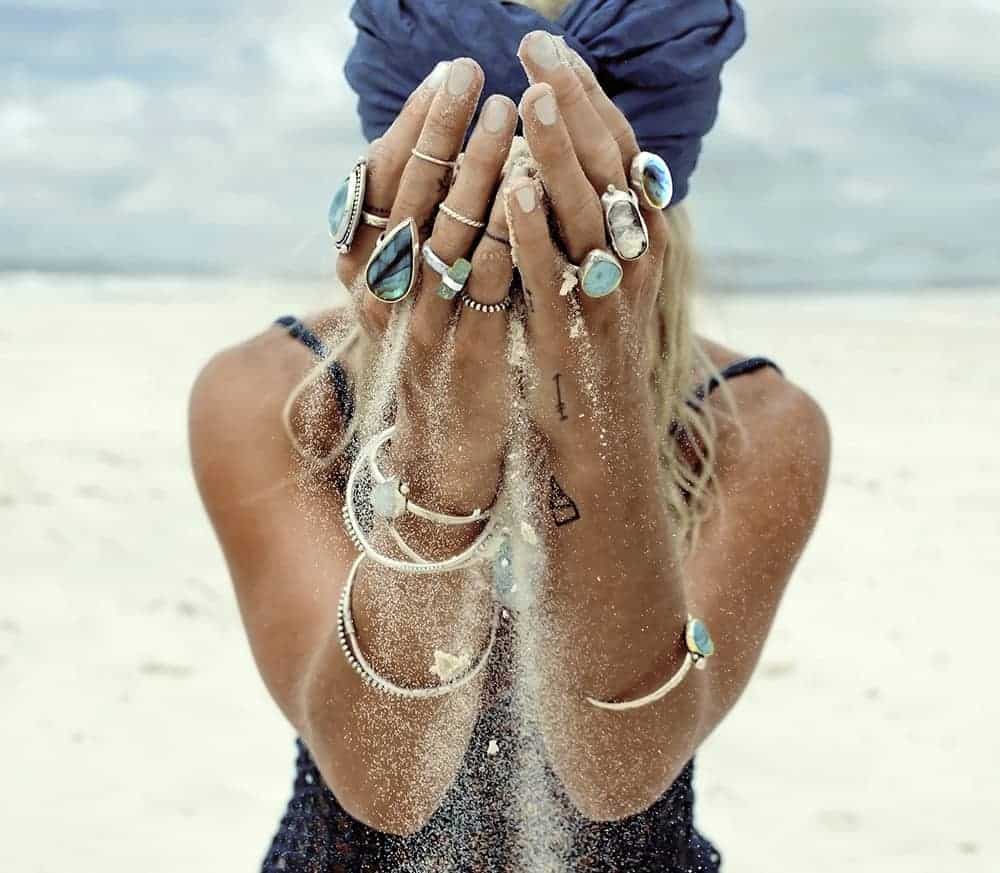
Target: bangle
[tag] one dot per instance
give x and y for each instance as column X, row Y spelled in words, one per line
column 349, row 645
column 393, row 494
column 476, row 551
column 699, row 647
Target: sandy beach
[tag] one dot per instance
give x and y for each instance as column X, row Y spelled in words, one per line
column 136, row 736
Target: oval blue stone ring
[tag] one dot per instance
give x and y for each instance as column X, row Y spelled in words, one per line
column 650, row 177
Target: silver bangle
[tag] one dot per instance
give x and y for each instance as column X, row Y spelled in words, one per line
column 478, row 550
column 699, row 647
column 501, row 306
column 463, row 219
column 347, row 635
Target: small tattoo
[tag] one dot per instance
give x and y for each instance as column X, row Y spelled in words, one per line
column 560, row 406
column 561, row 505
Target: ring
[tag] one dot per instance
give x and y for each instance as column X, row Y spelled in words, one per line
column 392, row 268
column 374, row 220
column 432, row 160
column 346, row 207
column 502, row 306
column 600, row 273
column 453, row 277
column 496, row 238
column 650, row 176
column 625, row 224
column 464, row 219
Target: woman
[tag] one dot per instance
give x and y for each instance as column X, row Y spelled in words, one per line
column 557, row 384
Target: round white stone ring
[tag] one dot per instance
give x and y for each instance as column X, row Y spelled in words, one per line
column 625, row 225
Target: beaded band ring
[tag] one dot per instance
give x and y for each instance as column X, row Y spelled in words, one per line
column 501, row 306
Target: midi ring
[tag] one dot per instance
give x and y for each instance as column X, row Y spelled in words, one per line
column 392, row 268
column 453, row 276
column 500, row 306
column 370, row 218
column 346, row 208
column 464, row 219
column 625, row 225
column 650, row 176
column 432, row 160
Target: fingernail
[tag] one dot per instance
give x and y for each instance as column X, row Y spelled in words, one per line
column 460, row 77
column 495, row 114
column 525, row 195
column 436, row 76
column 542, row 50
column 546, row 110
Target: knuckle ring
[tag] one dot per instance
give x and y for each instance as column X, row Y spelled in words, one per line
column 650, row 176
column 625, row 225
column 463, row 219
column 392, row 268
column 453, row 276
column 423, row 156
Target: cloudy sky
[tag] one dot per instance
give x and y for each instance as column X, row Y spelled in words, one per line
column 859, row 142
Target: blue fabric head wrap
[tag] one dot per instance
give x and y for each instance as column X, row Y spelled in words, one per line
column 659, row 60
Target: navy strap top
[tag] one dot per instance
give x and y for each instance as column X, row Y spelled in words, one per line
column 473, row 830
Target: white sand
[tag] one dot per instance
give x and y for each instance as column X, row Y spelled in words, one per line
column 135, row 735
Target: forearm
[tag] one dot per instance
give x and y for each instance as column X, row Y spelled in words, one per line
column 616, row 603
column 390, row 760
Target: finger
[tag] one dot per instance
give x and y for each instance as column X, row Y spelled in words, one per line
column 575, row 202
column 621, row 131
column 387, row 157
column 541, row 266
column 480, row 336
column 596, row 149
column 470, row 198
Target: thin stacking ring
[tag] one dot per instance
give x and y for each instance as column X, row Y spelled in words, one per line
column 464, row 219
column 502, row 306
column 432, row 160
column 495, row 238
column 453, row 276
column 374, row 220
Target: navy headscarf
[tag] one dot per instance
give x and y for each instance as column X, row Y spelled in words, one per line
column 659, row 60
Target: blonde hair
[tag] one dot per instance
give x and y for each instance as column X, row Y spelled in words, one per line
column 677, row 358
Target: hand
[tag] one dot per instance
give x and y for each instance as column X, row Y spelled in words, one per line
column 593, row 397
column 452, row 387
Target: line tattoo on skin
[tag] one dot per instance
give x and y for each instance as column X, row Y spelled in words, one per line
column 560, row 406
column 562, row 507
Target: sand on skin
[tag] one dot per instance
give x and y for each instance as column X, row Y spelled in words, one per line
column 136, row 734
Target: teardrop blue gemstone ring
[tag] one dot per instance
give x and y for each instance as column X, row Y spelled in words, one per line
column 392, row 269
column 345, row 209
column 650, row 176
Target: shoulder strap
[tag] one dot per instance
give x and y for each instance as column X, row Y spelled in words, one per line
column 338, row 376
column 731, row 371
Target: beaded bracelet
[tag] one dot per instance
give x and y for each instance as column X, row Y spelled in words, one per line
column 699, row 647
column 349, row 645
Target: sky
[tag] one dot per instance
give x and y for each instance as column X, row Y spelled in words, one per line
column 858, row 142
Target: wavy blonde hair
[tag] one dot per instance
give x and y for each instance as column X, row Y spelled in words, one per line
column 678, row 359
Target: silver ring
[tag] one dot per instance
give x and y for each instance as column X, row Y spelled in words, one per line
column 432, row 160
column 599, row 274
column 346, row 207
column 464, row 219
column 374, row 220
column 453, row 276
column 502, row 306
column 650, row 176
column 624, row 222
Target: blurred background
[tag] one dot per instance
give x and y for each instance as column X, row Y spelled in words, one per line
column 164, row 177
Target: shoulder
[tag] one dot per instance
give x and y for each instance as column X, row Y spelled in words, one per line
column 237, row 407
column 778, row 445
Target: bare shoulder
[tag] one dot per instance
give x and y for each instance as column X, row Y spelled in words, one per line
column 235, row 414
column 780, row 441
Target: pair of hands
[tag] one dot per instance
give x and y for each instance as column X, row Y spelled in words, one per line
column 591, row 392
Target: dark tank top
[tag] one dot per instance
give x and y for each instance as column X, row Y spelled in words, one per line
column 474, row 830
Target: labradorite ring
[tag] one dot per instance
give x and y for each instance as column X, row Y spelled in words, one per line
column 650, row 177
column 391, row 272
column 346, row 208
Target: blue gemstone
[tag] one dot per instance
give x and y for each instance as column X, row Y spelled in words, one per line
column 657, row 184
column 338, row 207
column 601, row 278
column 698, row 634
column 390, row 271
